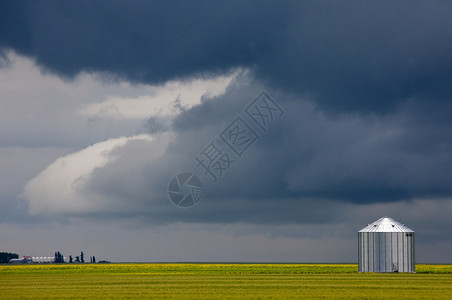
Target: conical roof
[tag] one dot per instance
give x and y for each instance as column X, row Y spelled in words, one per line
column 386, row 224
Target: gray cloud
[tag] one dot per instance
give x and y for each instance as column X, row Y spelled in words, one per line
column 308, row 168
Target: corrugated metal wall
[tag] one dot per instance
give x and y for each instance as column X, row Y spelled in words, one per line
column 386, row 252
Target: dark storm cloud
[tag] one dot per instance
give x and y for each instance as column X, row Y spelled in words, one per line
column 310, row 167
column 141, row 41
column 365, row 56
column 309, row 154
column 347, row 56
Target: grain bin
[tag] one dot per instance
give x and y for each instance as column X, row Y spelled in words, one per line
column 386, row 246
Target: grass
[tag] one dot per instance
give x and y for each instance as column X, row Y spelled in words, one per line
column 219, row 281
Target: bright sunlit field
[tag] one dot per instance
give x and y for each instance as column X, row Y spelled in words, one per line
column 219, row 281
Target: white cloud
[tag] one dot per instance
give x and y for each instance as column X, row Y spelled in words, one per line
column 42, row 109
column 18, row 165
column 164, row 101
column 59, row 188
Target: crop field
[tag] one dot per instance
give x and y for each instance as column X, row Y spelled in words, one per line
column 219, row 281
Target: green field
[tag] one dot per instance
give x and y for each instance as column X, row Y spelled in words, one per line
column 219, row 281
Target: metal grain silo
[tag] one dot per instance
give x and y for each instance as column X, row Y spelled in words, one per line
column 386, row 246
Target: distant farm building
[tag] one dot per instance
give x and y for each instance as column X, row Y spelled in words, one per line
column 386, row 246
column 23, row 260
column 44, row 260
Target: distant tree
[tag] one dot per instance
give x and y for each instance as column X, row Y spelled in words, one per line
column 77, row 259
column 70, row 259
column 82, row 257
column 5, row 257
column 59, row 257
column 94, row 259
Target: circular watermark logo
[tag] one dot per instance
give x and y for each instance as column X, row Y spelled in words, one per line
column 185, row 190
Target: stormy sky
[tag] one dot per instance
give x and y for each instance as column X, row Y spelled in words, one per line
column 104, row 102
